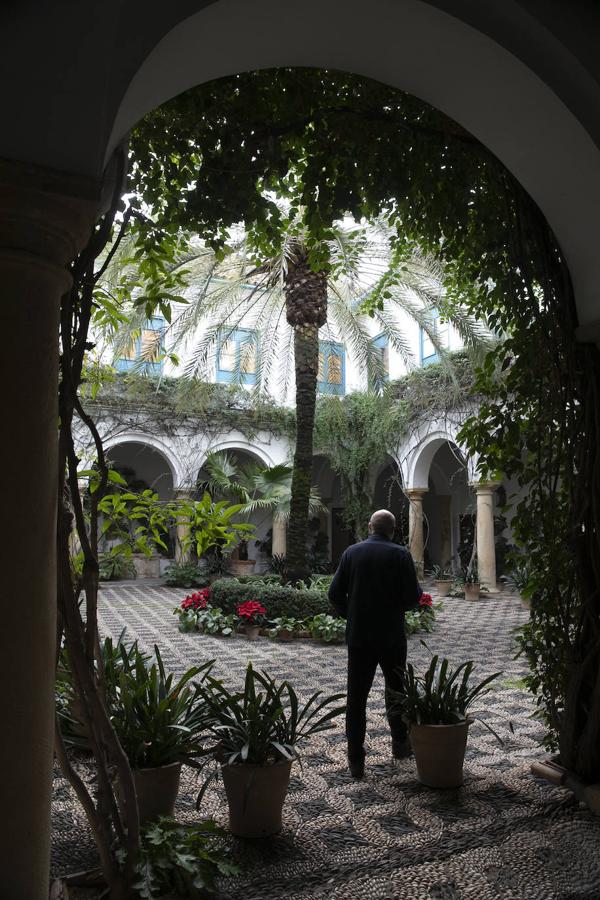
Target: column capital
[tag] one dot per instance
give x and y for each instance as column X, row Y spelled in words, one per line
column 44, row 214
column 485, row 487
column 184, row 492
column 415, row 493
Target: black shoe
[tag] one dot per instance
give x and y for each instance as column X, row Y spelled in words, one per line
column 356, row 764
column 401, row 749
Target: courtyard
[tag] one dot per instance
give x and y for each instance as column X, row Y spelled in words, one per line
column 504, row 834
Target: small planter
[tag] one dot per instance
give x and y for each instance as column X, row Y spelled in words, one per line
column 472, row 590
column 255, row 795
column 156, row 790
column 443, row 587
column 252, row 632
column 146, row 566
column 241, row 566
column 285, row 635
column 440, row 753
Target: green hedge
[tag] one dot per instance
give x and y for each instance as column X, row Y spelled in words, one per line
column 278, row 600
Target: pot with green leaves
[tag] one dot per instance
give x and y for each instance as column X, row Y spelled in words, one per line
column 471, row 583
column 328, row 629
column 257, row 732
column 435, row 707
column 159, row 720
column 443, row 580
column 284, row 628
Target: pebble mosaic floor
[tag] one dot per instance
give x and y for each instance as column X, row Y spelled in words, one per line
column 503, row 834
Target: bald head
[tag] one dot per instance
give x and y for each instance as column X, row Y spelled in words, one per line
column 382, row 522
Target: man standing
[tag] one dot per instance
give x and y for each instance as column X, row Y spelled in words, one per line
column 374, row 585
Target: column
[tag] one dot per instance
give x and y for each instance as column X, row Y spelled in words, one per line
column 486, row 543
column 416, row 543
column 45, row 219
column 279, row 542
column 183, row 529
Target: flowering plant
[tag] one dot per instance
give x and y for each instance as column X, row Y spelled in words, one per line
column 190, row 608
column 196, row 601
column 252, row 612
column 422, row 618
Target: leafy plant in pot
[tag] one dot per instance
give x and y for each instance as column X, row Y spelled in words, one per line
column 435, row 708
column 284, row 628
column 471, row 583
column 159, row 720
column 443, row 579
column 257, row 733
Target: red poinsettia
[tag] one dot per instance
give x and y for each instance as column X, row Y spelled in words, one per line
column 251, row 612
column 196, row 601
column 425, row 600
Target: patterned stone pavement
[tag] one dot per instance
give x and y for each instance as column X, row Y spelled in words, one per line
column 504, row 834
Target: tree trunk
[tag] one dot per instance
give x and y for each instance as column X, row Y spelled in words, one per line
column 306, row 312
column 306, row 353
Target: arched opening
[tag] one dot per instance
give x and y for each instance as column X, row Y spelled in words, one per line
column 448, row 508
column 143, row 467
column 389, row 494
column 238, row 465
column 329, row 534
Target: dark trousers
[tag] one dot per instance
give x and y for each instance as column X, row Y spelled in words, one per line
column 362, row 664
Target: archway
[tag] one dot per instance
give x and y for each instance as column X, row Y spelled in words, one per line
column 388, row 493
column 239, row 460
column 448, row 506
column 143, row 466
column 331, row 534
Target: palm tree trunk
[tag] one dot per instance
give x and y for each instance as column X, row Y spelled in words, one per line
column 306, row 312
column 306, row 353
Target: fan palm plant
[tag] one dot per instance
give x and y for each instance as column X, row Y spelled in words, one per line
column 282, row 304
column 256, row 487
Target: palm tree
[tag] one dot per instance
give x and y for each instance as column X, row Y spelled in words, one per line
column 257, row 488
column 287, row 299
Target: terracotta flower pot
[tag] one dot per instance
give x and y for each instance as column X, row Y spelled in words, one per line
column 156, row 790
column 255, row 795
column 241, row 566
column 285, row 635
column 442, row 586
column 472, row 591
column 252, row 632
column 440, row 753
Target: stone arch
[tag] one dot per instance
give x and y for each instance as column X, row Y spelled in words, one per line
column 257, row 451
column 141, row 456
column 421, row 49
column 157, row 444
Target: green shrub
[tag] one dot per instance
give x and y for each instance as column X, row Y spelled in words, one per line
column 115, row 566
column 279, row 600
column 186, row 574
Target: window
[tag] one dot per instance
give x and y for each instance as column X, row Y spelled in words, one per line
column 145, row 352
column 428, row 352
column 237, row 357
column 332, row 368
column 381, row 347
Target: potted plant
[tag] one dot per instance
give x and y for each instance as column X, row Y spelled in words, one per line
column 285, row 628
column 189, row 609
column 443, row 579
column 328, row 629
column 239, row 564
column 212, row 620
column 252, row 617
column 470, row 582
column 257, row 733
column 158, row 719
column 435, row 708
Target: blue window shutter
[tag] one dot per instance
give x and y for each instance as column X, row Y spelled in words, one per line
column 332, row 368
column 237, row 356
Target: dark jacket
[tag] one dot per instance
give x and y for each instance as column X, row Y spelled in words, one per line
column 374, row 585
